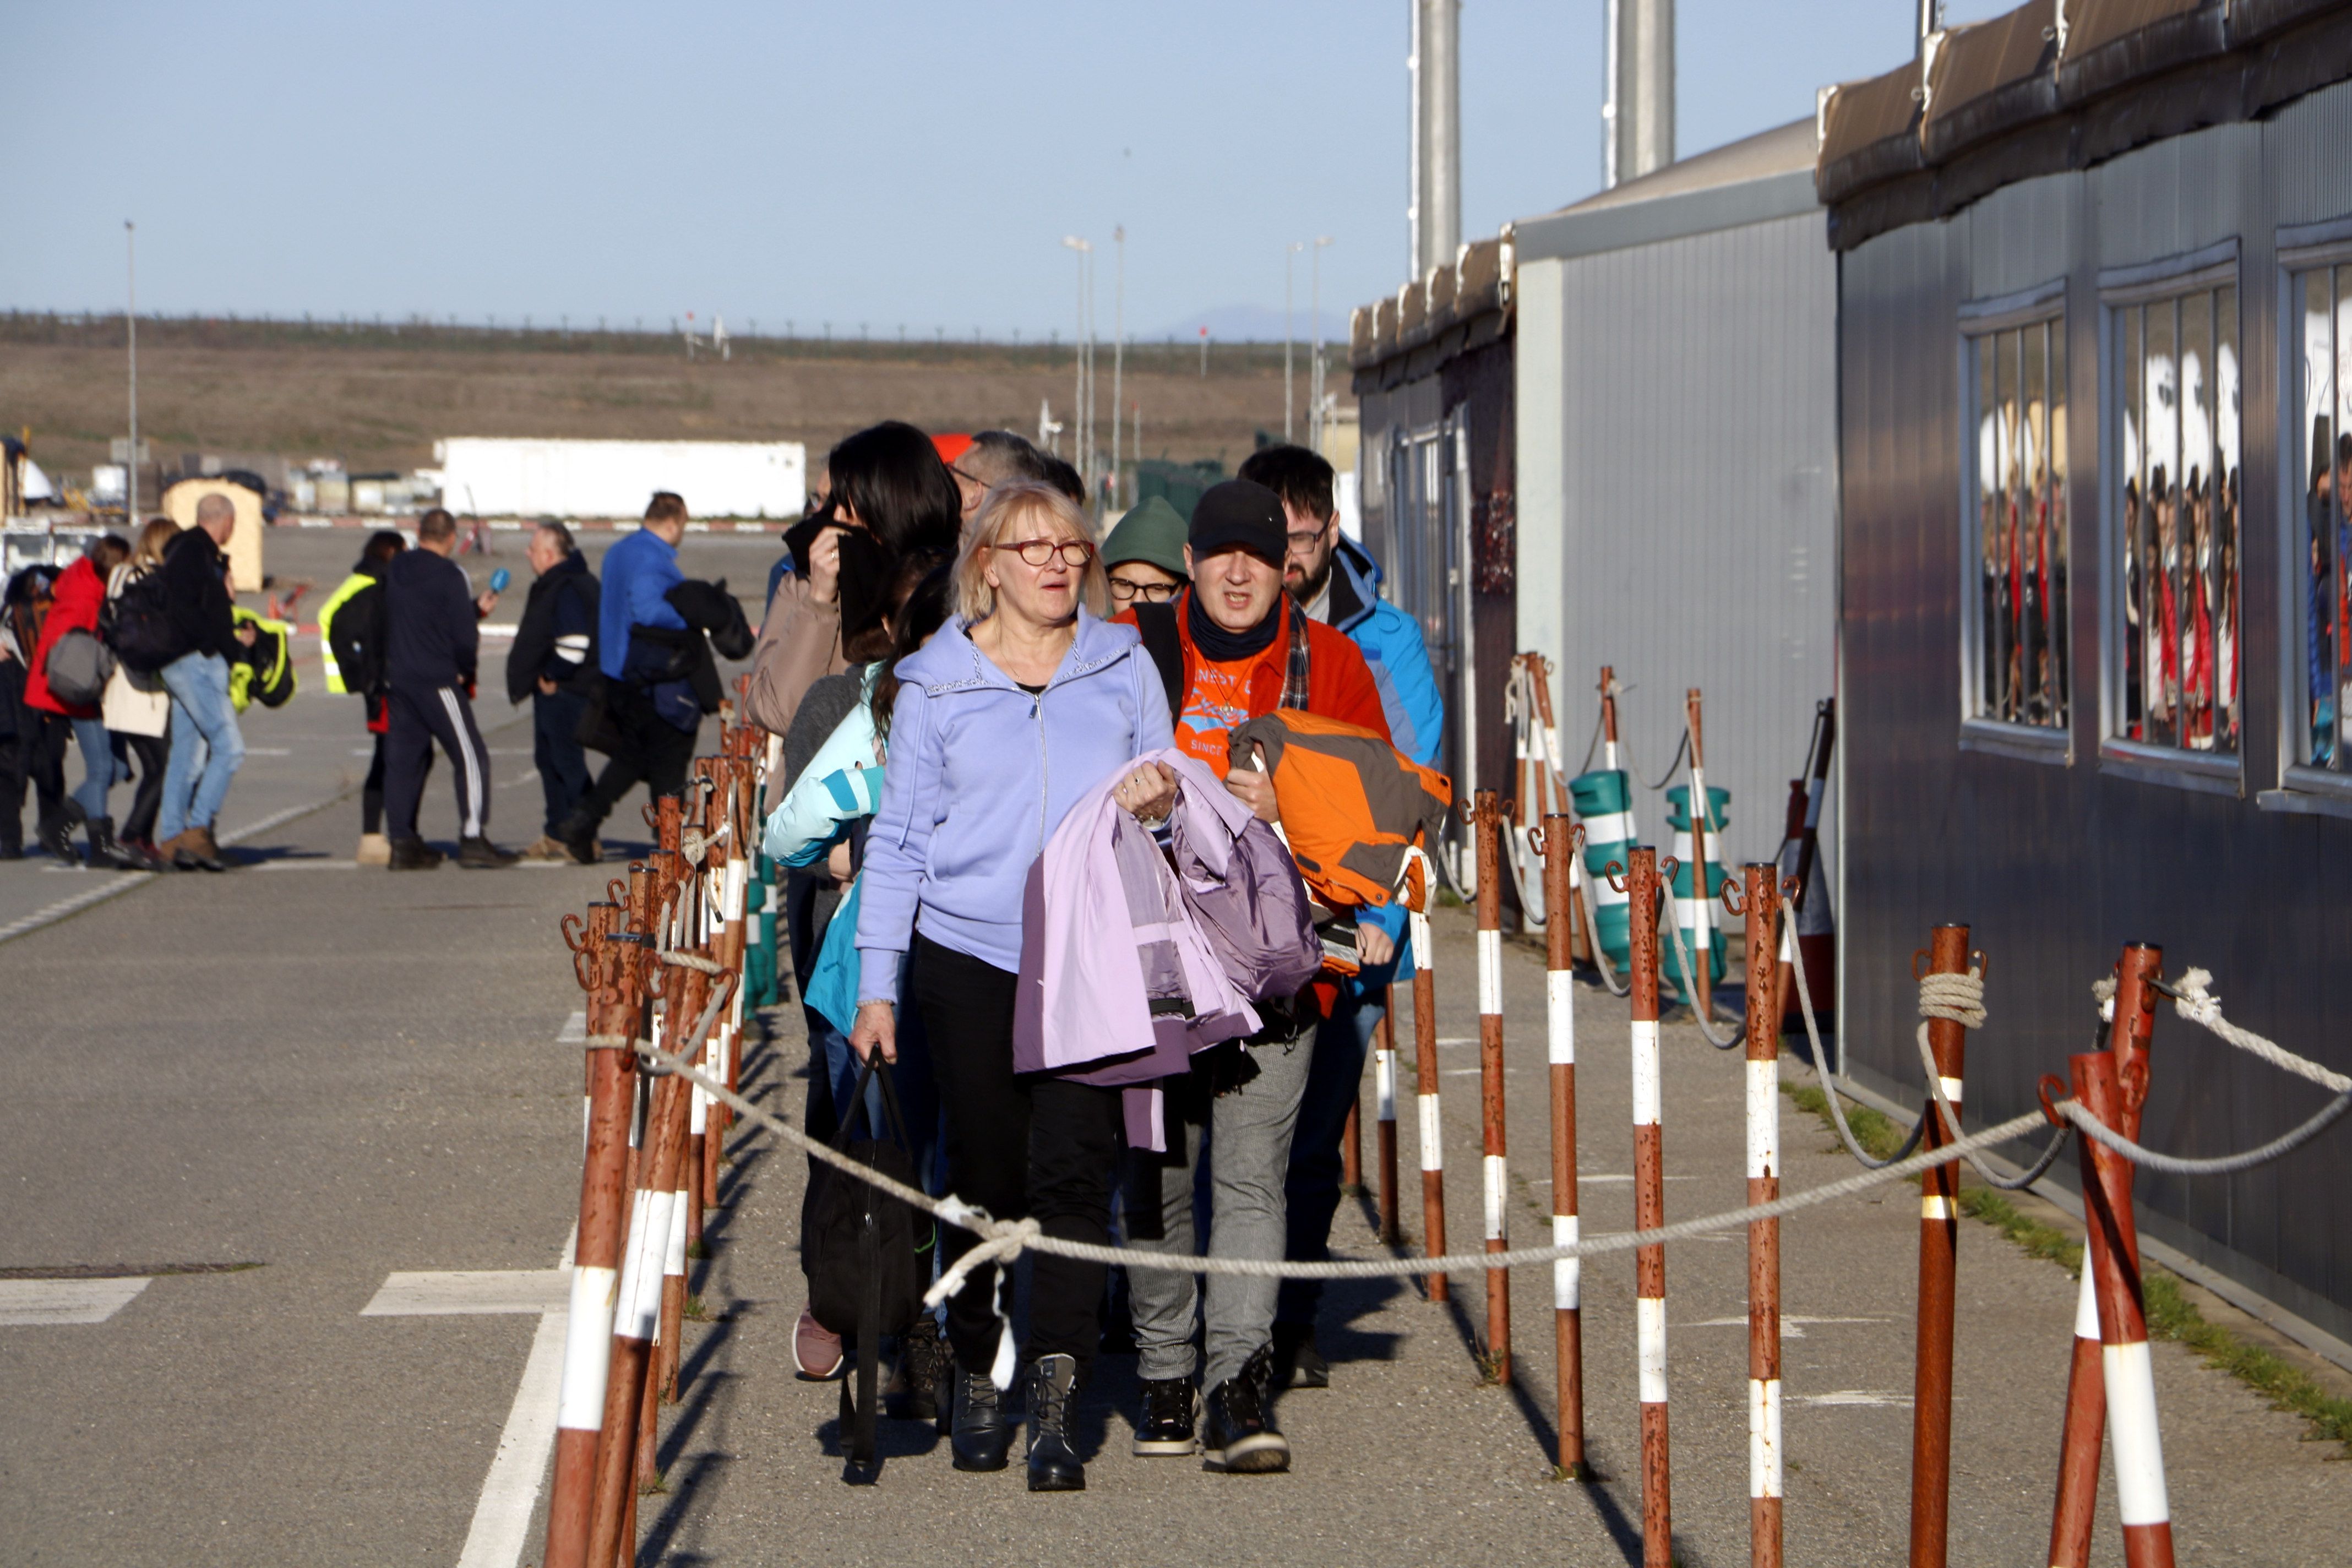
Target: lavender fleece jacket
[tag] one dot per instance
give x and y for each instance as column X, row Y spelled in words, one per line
column 980, row 773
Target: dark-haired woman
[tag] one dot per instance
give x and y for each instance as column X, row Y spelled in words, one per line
column 889, row 482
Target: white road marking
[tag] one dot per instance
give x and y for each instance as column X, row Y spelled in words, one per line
column 465, row 1292
column 574, row 1032
column 37, row 1303
column 501, row 1525
column 1868, row 1398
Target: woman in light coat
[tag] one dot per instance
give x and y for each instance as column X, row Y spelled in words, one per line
column 137, row 712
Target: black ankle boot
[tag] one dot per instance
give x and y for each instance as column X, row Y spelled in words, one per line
column 1054, row 1464
column 57, row 830
column 105, row 854
column 981, row 1438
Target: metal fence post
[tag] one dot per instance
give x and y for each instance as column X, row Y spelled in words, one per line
column 1424, row 1058
column 1563, row 842
column 1939, row 1240
column 1487, row 817
column 2112, row 1254
column 2130, row 1026
column 1384, row 1086
column 1649, row 1211
column 1762, row 907
column 1701, row 980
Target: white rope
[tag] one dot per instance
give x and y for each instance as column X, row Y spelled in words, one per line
column 1959, row 998
column 2199, row 1005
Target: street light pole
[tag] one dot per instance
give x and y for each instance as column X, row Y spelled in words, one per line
column 130, row 319
column 1078, row 418
column 1290, row 272
column 1118, row 353
column 1315, row 361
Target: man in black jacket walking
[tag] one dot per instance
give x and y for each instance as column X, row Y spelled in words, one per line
column 432, row 645
column 206, row 640
column 552, row 663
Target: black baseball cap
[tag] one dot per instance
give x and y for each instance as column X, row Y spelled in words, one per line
column 1239, row 514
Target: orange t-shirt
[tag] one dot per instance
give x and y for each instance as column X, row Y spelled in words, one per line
column 1218, row 700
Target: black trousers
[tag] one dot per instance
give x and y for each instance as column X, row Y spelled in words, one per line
column 1040, row 1147
column 555, row 747
column 653, row 752
column 148, row 753
column 421, row 716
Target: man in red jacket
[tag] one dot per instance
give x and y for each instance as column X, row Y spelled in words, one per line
column 1244, row 649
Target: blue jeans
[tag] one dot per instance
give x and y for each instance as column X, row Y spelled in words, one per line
column 202, row 719
column 1311, row 1187
column 98, row 765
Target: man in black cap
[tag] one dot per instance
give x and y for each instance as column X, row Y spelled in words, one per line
column 1232, row 646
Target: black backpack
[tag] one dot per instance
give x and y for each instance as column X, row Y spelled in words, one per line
column 137, row 624
column 868, row 1254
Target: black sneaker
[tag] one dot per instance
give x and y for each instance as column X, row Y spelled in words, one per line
column 478, row 853
column 1170, row 1409
column 412, row 855
column 1296, row 1362
column 1240, row 1437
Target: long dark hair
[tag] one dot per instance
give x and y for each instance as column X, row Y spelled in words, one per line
column 891, row 476
column 925, row 611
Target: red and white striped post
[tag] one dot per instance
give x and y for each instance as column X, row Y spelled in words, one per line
column 1701, row 979
column 1488, row 818
column 1424, row 1056
column 613, row 1007
column 1649, row 1211
column 1940, row 1246
column 2124, row 1360
column 1384, row 1086
column 635, row 1317
column 1563, row 842
column 2131, row 1023
column 1761, row 905
column 1352, row 1145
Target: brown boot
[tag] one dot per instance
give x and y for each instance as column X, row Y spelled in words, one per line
column 198, row 850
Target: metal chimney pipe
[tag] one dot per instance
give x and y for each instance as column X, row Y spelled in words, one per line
column 1644, row 119
column 1439, row 78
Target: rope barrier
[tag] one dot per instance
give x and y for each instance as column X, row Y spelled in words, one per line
column 2222, row 1166
column 2195, row 1002
column 1014, row 1236
column 1682, row 951
column 1961, row 999
column 1828, row 1078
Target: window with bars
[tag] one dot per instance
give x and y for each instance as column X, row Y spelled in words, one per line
column 2320, row 622
column 2176, row 655
column 2017, row 574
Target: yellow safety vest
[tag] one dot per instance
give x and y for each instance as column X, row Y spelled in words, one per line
column 343, row 590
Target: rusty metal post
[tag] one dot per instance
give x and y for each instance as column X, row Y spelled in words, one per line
column 596, row 1255
column 1649, row 1210
column 1562, row 843
column 1488, row 818
column 1608, row 718
column 1702, row 818
column 1424, row 1060
column 2130, row 1026
column 1761, row 905
column 1384, row 1109
column 686, row 1009
column 1578, row 939
column 1351, row 1146
column 1939, row 1241
column 2112, row 1257
column 637, row 1313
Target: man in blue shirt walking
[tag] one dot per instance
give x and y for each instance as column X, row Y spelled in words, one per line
column 645, row 649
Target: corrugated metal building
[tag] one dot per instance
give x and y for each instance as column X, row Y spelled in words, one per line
column 1433, row 382
column 2096, row 364
column 1677, row 436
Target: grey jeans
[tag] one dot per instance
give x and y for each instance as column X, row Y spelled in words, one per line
column 1249, row 1153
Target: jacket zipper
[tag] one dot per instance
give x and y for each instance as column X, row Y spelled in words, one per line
column 1044, row 763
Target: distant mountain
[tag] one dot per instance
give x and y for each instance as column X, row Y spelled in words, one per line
column 1253, row 323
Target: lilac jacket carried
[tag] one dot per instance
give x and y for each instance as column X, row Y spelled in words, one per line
column 981, row 774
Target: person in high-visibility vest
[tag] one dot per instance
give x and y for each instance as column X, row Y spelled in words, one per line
column 350, row 643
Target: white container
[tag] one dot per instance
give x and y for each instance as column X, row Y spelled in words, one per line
column 497, row 477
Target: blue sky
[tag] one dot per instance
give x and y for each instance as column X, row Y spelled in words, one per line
column 900, row 163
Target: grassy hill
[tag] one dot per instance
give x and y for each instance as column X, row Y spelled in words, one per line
column 378, row 396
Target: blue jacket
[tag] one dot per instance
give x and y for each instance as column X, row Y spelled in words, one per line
column 638, row 570
column 981, row 774
column 1391, row 644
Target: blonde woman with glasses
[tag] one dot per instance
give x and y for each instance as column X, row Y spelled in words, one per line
column 1023, row 702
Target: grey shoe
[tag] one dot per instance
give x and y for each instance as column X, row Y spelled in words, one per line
column 1054, row 1464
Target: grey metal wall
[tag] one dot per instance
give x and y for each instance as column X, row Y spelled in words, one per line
column 1696, row 517
column 2057, row 864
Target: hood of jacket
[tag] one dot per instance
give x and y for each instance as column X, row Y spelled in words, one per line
column 1356, row 580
